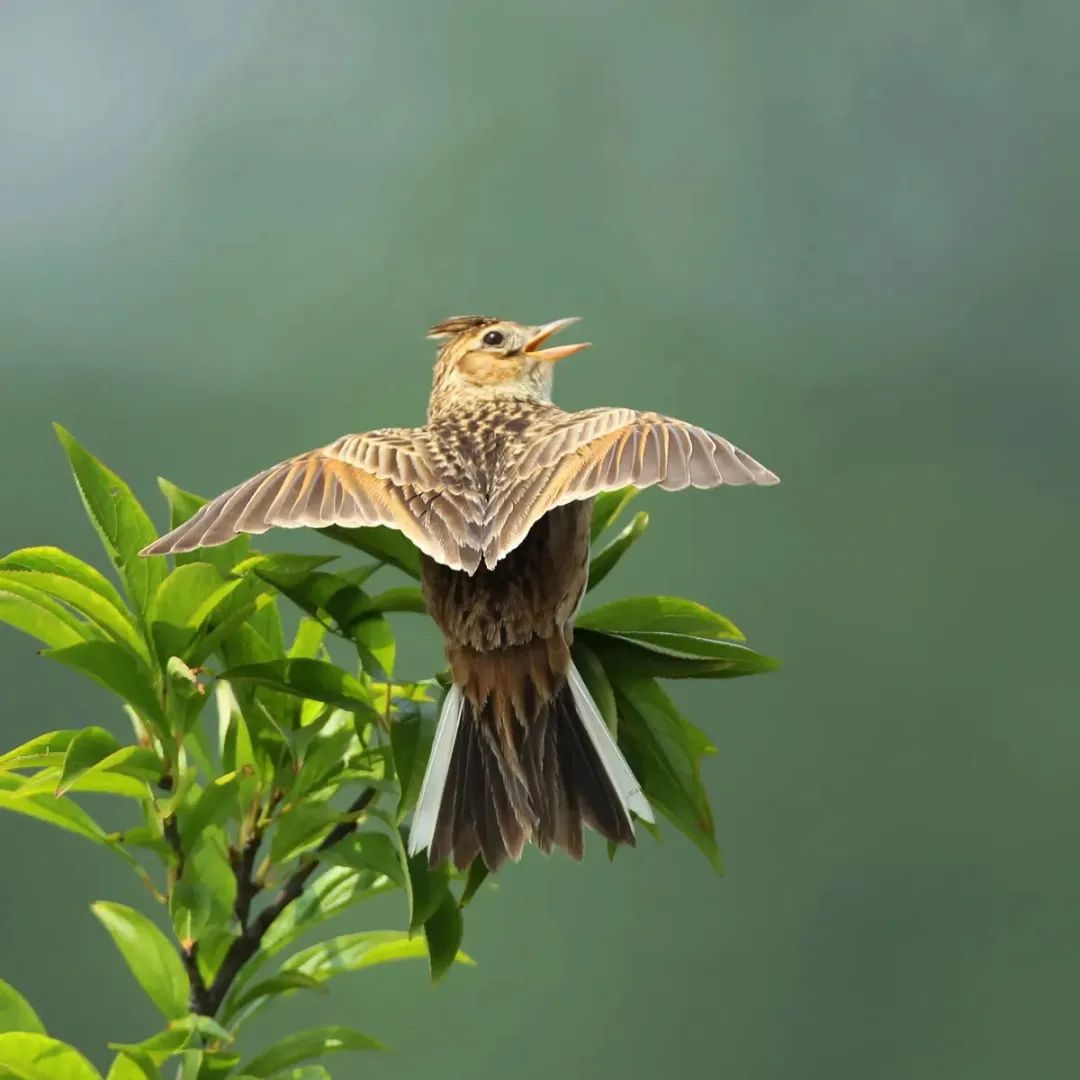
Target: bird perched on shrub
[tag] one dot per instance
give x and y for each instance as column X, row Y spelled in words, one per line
column 496, row 492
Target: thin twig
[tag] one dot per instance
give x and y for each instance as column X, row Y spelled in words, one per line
column 247, row 944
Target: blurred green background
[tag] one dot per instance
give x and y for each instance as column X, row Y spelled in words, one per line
column 842, row 233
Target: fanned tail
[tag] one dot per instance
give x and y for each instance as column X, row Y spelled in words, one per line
column 496, row 781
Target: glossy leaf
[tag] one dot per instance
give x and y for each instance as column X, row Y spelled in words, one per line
column 49, row 623
column 60, row 812
column 369, row 851
column 665, row 750
column 607, row 508
column 374, row 640
column 16, row 1013
column 354, row 952
column 112, row 666
column 308, row 643
column 149, row 955
column 305, row 1045
column 407, row 598
column 411, row 735
column 669, row 614
column 386, row 545
column 132, row 1066
column 284, row 982
column 27, row 1056
column 53, row 560
column 478, row 874
column 300, row 829
column 31, row 753
column 213, row 807
column 179, row 1035
column 205, row 895
column 85, row 600
column 606, row 560
column 90, row 746
column 314, row 679
column 183, row 505
column 186, row 599
column 332, row 892
column 444, row 930
column 121, row 522
column 621, row 655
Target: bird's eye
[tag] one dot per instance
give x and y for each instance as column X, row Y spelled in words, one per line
column 493, row 337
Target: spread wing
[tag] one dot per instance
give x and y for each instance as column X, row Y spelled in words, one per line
column 603, row 450
column 382, row 478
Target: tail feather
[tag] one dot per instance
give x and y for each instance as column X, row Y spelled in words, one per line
column 491, row 787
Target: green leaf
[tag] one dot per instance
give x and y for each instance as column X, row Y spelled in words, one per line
column 324, row 756
column 622, row 655
column 284, row 982
column 308, row 642
column 354, row 952
column 35, row 614
column 300, row 829
column 316, row 680
column 478, row 873
column 90, row 746
column 605, row 561
column 407, row 598
column 182, row 506
column 186, row 599
column 53, row 560
column 60, row 812
column 134, row 764
column 369, row 851
column 374, row 640
column 607, row 507
column 85, row 600
column 664, row 749
column 30, row 754
column 178, row 1037
column 411, row 735
column 27, row 1056
column 152, row 959
column 669, row 614
column 120, row 520
column 386, row 545
column 112, row 666
column 205, row 895
column 444, row 930
column 214, row 806
column 16, row 1013
column 133, row 1067
column 305, row 1045
column 332, row 892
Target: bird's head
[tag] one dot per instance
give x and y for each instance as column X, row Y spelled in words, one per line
column 484, row 357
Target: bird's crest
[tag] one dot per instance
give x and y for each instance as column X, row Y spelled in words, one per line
column 458, row 324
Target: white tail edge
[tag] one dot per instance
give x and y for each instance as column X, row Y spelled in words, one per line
column 619, row 773
column 426, row 813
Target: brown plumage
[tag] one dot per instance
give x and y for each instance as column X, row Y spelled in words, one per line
column 495, row 490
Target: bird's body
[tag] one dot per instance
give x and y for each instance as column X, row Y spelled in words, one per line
column 496, row 492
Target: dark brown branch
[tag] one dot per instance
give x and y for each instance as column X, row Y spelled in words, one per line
column 247, row 944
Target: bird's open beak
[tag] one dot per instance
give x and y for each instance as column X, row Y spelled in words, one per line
column 557, row 352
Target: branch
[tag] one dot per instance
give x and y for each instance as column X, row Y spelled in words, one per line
column 247, row 944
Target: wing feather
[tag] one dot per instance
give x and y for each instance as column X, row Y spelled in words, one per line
column 603, row 450
column 381, row 478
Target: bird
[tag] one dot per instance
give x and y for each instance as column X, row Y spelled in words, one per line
column 496, row 492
